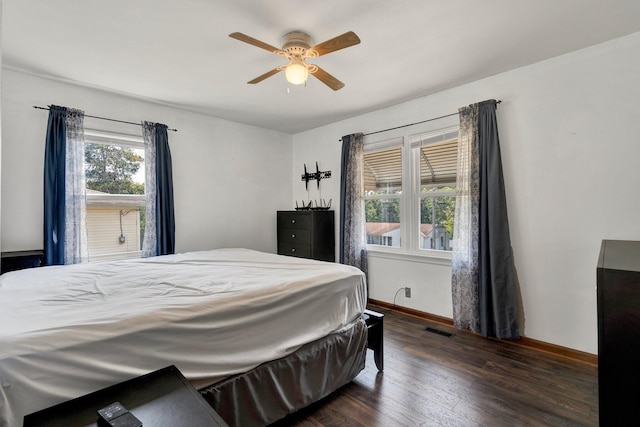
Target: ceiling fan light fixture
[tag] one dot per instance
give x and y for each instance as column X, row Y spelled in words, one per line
column 297, row 48
column 296, row 73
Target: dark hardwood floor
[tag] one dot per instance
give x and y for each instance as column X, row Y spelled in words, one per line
column 464, row 380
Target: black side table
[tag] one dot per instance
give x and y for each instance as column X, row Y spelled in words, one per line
column 375, row 330
column 161, row 398
column 17, row 260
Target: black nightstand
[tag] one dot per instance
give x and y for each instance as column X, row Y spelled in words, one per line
column 17, row 260
column 161, row 398
column 375, row 335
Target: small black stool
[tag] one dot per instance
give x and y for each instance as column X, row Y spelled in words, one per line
column 374, row 321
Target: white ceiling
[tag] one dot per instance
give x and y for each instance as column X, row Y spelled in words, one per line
column 178, row 51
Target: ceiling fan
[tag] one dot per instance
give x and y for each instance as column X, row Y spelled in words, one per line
column 296, row 47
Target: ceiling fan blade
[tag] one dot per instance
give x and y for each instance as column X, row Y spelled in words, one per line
column 345, row 40
column 262, row 45
column 328, row 79
column 264, row 76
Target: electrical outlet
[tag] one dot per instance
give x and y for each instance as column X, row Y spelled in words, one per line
column 407, row 292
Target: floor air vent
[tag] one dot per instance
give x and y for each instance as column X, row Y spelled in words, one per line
column 439, row 332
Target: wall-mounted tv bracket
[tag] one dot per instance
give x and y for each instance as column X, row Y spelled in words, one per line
column 318, row 175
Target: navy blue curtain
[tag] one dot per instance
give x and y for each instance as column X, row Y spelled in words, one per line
column 165, row 219
column 54, row 186
column 496, row 288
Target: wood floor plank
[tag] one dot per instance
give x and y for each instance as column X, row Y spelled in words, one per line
column 465, row 380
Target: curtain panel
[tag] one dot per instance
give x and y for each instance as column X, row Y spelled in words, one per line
column 159, row 232
column 65, row 236
column 483, row 285
column 54, row 186
column 76, row 248
column 464, row 260
column 353, row 249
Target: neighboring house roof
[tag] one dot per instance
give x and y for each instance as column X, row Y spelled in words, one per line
column 426, row 229
column 99, row 198
column 382, row 228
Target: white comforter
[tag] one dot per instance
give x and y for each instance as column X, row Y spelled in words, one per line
column 67, row 331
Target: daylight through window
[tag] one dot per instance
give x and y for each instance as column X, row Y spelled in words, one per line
column 436, row 192
column 383, row 190
column 409, row 192
column 115, row 176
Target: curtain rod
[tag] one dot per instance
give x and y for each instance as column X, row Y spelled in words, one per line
column 104, row 118
column 413, row 124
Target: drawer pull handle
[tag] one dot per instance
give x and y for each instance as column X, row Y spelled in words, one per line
column 293, row 236
column 293, row 221
column 293, row 250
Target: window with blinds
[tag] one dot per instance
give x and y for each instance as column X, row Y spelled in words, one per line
column 383, row 171
column 437, row 158
column 382, row 176
column 409, row 191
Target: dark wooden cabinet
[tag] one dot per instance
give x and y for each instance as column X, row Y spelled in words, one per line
column 307, row 234
column 17, row 260
column 618, row 278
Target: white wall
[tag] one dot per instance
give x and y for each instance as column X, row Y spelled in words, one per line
column 570, row 151
column 229, row 178
column 569, row 131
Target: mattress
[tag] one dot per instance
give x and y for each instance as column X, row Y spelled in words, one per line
column 69, row 330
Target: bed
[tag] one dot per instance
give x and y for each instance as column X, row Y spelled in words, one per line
column 261, row 335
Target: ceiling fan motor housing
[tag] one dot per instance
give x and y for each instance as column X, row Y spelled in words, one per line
column 296, row 43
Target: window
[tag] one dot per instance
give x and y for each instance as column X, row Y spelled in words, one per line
column 115, row 176
column 437, row 161
column 382, row 179
column 409, row 192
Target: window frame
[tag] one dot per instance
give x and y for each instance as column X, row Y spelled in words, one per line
column 416, row 142
column 410, row 194
column 95, row 136
column 375, row 147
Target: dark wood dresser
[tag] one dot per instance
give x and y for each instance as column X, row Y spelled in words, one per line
column 618, row 278
column 307, row 234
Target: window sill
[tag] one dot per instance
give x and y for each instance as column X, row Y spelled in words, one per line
column 443, row 258
column 115, row 256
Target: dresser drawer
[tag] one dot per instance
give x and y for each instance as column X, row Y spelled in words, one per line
column 294, row 235
column 294, row 220
column 293, row 249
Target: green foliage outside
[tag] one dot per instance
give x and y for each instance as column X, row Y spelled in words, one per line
column 110, row 169
column 377, row 210
column 444, row 212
